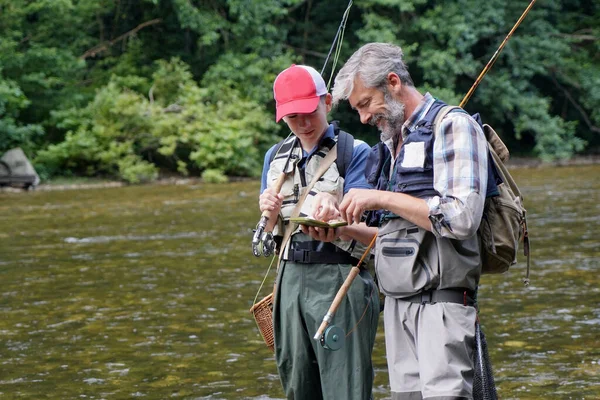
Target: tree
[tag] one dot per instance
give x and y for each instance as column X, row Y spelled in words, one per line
column 60, row 59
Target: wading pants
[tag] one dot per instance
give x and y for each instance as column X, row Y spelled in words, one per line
column 429, row 349
column 307, row 370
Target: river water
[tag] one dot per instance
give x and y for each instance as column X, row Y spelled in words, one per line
column 144, row 291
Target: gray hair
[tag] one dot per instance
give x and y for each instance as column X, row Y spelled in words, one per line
column 371, row 63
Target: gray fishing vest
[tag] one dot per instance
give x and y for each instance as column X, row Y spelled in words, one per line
column 410, row 259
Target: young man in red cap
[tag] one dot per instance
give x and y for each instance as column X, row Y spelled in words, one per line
column 311, row 271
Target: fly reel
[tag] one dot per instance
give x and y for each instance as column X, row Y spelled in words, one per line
column 333, row 338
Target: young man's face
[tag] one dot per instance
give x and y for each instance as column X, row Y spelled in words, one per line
column 377, row 108
column 310, row 127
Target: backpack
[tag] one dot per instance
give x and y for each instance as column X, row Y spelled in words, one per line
column 345, row 149
column 503, row 223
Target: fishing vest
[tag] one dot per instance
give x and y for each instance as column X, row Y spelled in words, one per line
column 416, row 181
column 301, row 172
column 408, row 258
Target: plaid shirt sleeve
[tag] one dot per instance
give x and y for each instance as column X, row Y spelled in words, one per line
column 460, row 157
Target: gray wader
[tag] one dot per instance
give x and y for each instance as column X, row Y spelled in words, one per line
column 303, row 296
column 429, row 349
column 429, row 316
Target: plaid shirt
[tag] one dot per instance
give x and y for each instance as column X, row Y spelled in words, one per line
column 460, row 158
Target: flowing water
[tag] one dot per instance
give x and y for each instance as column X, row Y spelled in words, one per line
column 144, row 291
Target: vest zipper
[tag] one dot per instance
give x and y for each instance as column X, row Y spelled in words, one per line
column 398, row 251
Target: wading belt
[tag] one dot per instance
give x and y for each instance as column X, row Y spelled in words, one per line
column 459, row 296
column 315, row 252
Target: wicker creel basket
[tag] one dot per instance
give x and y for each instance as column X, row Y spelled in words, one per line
column 263, row 314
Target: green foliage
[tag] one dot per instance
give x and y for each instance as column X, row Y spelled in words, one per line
column 214, row 176
column 249, row 74
column 448, row 44
column 12, row 133
column 121, row 133
column 130, row 89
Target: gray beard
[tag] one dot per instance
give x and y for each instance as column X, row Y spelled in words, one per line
column 394, row 118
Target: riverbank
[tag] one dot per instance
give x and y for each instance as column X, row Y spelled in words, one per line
column 80, row 183
column 525, row 162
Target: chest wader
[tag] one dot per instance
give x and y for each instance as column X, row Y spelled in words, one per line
column 307, row 284
column 310, row 273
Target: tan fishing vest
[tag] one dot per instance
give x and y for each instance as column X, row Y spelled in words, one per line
column 295, row 185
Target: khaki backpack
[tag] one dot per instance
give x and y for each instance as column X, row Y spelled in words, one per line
column 503, row 224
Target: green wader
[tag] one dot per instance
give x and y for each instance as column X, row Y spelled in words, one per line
column 307, row 370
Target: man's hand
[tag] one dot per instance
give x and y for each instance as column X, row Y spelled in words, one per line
column 357, row 201
column 325, row 207
column 270, row 201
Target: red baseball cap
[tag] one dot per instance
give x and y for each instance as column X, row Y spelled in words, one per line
column 297, row 90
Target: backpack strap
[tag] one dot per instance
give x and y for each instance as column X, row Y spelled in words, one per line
column 442, row 113
column 345, row 144
column 276, row 150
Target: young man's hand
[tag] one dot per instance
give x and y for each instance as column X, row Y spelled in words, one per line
column 270, row 201
column 325, row 207
column 321, row 234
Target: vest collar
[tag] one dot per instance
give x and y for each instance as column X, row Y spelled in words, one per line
column 411, row 123
column 329, row 133
column 422, row 109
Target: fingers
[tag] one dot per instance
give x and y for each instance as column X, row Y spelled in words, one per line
column 350, row 208
column 322, row 234
column 269, row 201
column 331, row 234
column 357, row 215
column 324, row 207
column 346, row 203
column 332, row 214
column 305, row 230
column 350, row 212
column 317, row 207
column 326, row 212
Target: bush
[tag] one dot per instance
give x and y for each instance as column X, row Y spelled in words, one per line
column 123, row 134
column 214, row 176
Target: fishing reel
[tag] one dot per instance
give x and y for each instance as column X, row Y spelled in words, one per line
column 263, row 242
column 333, row 338
column 268, row 244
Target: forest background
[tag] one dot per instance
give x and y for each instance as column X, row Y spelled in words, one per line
column 138, row 89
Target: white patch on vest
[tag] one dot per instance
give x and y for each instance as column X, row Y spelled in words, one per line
column 414, row 155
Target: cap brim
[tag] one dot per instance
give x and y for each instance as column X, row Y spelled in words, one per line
column 301, row 106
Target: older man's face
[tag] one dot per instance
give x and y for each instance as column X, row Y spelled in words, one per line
column 377, row 108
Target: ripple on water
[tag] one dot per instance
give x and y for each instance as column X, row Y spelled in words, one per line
column 155, row 291
column 107, row 239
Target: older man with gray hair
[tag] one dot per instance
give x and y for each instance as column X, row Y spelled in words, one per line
column 430, row 179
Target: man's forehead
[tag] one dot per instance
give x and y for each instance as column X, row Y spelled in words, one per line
column 359, row 92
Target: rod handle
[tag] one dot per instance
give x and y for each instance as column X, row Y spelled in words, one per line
column 271, row 216
column 337, row 300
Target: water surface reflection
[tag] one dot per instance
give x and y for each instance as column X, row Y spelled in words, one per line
column 144, row 291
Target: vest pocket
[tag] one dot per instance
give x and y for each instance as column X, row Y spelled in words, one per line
column 400, row 266
column 398, row 251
